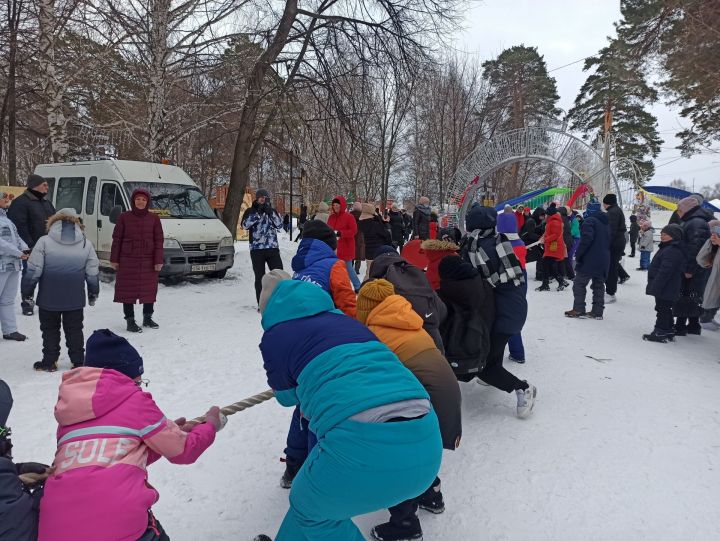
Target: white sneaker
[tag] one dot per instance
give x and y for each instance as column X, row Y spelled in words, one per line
column 609, row 299
column 525, row 401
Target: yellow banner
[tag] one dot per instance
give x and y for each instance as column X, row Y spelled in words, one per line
column 655, row 199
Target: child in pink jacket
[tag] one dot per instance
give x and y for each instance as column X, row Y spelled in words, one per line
column 109, row 431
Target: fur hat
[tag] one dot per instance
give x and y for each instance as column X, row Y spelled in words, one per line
column 687, row 204
column 673, row 230
column 317, row 229
column 262, row 192
column 269, row 283
column 34, row 181
column 105, row 349
column 368, row 211
column 610, row 199
column 371, row 295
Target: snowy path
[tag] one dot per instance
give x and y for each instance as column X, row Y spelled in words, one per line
column 617, row 449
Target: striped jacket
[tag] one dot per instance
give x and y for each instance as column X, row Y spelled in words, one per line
column 109, row 431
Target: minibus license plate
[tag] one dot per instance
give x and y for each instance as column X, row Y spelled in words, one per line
column 202, row 268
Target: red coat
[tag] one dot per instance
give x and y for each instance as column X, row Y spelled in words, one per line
column 554, row 244
column 520, row 217
column 345, row 224
column 137, row 247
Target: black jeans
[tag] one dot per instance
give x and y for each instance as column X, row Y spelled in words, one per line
column 72, row 324
column 129, row 310
column 269, row 256
column 664, row 319
column 612, row 278
column 494, row 373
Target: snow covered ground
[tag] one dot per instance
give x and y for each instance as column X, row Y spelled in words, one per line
column 624, row 442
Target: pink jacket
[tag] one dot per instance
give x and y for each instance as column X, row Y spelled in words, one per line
column 109, row 431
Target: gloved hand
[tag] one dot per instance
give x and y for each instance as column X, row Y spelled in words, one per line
column 184, row 425
column 30, row 467
column 215, row 418
column 267, row 208
column 92, row 299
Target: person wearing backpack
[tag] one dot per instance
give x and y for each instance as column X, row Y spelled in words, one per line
column 492, row 254
column 411, row 283
column 391, row 318
column 470, row 302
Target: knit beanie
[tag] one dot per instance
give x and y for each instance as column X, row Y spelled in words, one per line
column 262, row 192
column 105, row 349
column 673, row 230
column 507, row 223
column 34, row 181
column 269, row 282
column 317, row 229
column 552, row 209
column 371, row 295
column 610, row 199
column 687, row 204
column 323, row 207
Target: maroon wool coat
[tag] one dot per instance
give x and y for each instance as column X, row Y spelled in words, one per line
column 137, row 247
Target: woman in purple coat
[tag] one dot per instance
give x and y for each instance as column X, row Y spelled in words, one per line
column 137, row 256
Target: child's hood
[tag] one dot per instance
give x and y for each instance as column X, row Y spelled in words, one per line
column 88, row 393
column 395, row 312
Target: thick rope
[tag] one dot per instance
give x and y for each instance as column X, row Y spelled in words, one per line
column 232, row 409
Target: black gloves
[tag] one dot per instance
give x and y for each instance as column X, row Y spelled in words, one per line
column 30, row 467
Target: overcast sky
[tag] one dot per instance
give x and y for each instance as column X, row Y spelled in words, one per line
column 566, row 31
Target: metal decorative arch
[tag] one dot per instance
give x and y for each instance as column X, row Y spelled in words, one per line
column 542, row 142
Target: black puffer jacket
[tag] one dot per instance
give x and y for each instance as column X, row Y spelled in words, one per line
column 616, row 218
column 30, row 212
column 695, row 232
column 665, row 275
column 466, row 329
column 375, row 234
column 18, row 508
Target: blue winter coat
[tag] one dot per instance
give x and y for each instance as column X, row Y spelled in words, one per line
column 593, row 252
column 331, row 365
column 18, row 508
column 263, row 222
column 510, row 300
column 63, row 262
column 665, row 274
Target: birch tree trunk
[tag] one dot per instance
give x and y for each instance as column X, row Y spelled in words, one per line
column 53, row 91
column 159, row 20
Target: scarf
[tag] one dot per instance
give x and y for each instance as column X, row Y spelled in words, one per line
column 505, row 269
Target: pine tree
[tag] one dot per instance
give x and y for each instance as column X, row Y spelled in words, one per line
column 682, row 39
column 613, row 100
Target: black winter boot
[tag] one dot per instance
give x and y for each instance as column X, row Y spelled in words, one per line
column 291, row 470
column 149, row 323
column 432, row 499
column 404, row 531
column 660, row 337
column 42, row 366
column 132, row 326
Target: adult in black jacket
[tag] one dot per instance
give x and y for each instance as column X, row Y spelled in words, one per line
column 665, row 277
column 407, row 223
column 30, row 212
column 616, row 219
column 374, row 233
column 470, row 314
column 695, row 231
column 532, row 230
column 421, row 219
column 397, row 227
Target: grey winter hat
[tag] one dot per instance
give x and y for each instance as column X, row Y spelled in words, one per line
column 6, row 402
column 262, row 192
column 269, row 283
column 673, row 230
